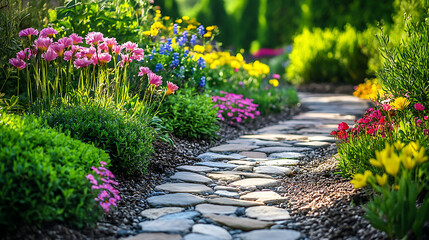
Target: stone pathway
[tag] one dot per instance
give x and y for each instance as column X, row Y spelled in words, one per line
column 231, row 193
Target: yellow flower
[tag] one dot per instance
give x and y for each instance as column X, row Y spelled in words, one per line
column 146, row 33
column 399, row 145
column 400, row 103
column 210, row 28
column 207, row 34
column 166, row 18
column 158, row 11
column 381, row 180
column 419, row 156
column 408, row 162
column 392, row 163
column 274, row 82
column 186, row 18
column 375, row 162
column 359, row 180
column 199, row 48
column 179, row 20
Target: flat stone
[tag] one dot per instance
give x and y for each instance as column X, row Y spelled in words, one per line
column 233, row 202
column 266, row 196
column 287, row 155
column 248, row 141
column 274, row 137
column 243, row 168
column 217, row 165
column 330, row 139
column 279, row 162
column 272, row 234
column 211, row 230
column 206, row 208
column 224, row 193
column 246, row 174
column 245, row 224
column 156, row 236
column 272, row 144
column 267, row 213
column 233, row 148
column 226, row 188
column 193, row 168
column 257, row 182
column 191, row 177
column 282, row 149
column 272, row 170
column 209, row 156
column 242, row 162
column 181, row 215
column 254, row 154
column 321, row 115
column 198, row 236
column 224, row 177
column 183, row 188
column 274, row 128
column 168, row 225
column 154, row 213
column 175, row 200
column 313, row 144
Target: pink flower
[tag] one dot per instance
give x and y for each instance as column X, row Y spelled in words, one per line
column 28, row 32
column 94, row 38
column 105, row 206
column 104, row 58
column 67, row 42
column 48, row 32
column 110, row 42
column 92, row 179
column 58, row 48
column 138, row 54
column 125, row 59
column 68, row 55
column 117, row 49
column 171, row 88
column 130, row 46
column 83, row 62
column 50, row 55
column 143, row 71
column 76, row 38
column 42, row 43
column 88, row 52
column 103, row 47
column 419, row 107
column 386, row 107
column 24, row 54
column 18, row 63
column 112, row 201
column 103, row 163
column 154, row 79
column 276, row 76
column 343, row 126
column 425, row 118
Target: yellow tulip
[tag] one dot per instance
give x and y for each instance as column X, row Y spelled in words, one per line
column 381, row 180
column 400, row 103
column 398, row 145
column 392, row 164
column 375, row 162
column 419, row 156
column 359, row 180
column 408, row 162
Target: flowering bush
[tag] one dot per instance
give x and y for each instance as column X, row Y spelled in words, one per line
column 235, row 108
column 370, row 89
column 107, row 195
column 399, row 184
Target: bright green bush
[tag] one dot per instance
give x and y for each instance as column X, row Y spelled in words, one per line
column 127, row 140
column 327, row 56
column 189, row 115
column 42, row 175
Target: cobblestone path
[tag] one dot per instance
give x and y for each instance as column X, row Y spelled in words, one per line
column 231, row 193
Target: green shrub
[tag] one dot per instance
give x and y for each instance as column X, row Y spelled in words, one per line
column 327, row 56
column 127, row 140
column 42, row 175
column 189, row 115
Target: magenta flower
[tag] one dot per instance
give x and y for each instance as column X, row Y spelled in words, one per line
column 171, row 88
column 103, row 163
column 387, row 107
column 117, row 49
column 24, row 54
column 58, row 48
column 48, row 32
column 154, row 79
column 82, row 62
column 105, row 206
column 94, row 38
column 143, row 71
column 125, row 59
column 103, row 47
column 104, row 58
column 276, row 76
column 130, row 46
column 68, row 55
column 76, row 38
column 110, row 42
column 28, row 32
column 67, row 42
column 18, row 63
column 138, row 54
column 91, row 178
column 419, row 107
column 88, row 52
column 50, row 55
column 426, row 118
column 42, row 43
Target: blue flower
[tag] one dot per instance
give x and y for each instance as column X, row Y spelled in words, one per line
column 186, row 53
column 201, row 62
column 181, row 72
column 201, row 30
column 193, row 40
column 174, row 63
column 185, row 34
column 158, row 67
column 182, row 41
column 175, row 31
column 176, row 56
column 202, row 82
column 161, row 49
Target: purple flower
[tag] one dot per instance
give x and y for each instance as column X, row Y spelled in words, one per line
column 24, row 54
column 18, row 63
column 201, row 30
column 79, row 63
column 67, row 42
column 50, row 55
column 48, row 32
column 28, row 32
column 175, row 31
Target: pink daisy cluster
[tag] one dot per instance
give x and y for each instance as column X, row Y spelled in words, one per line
column 234, row 107
column 108, row 196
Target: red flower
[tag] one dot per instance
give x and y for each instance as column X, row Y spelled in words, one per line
column 343, row 126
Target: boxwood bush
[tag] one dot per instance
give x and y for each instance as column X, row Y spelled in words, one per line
column 127, row 140
column 190, row 115
column 42, row 175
